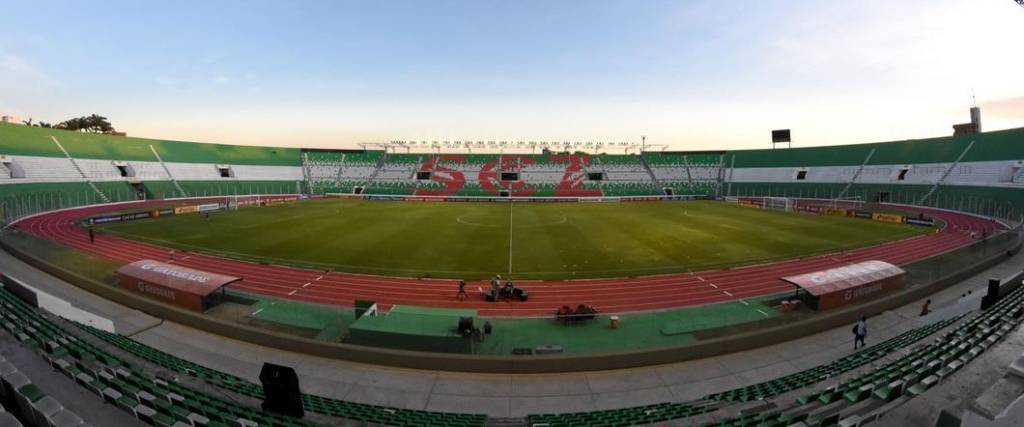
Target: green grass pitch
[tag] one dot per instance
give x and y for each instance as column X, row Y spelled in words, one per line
column 532, row 241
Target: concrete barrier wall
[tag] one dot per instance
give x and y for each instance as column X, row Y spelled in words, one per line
column 513, row 364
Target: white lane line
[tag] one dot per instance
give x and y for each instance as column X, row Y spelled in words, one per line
column 510, row 239
column 292, row 292
column 727, row 293
column 307, row 284
column 256, row 312
column 701, row 279
column 714, row 285
column 318, row 278
column 744, row 302
column 765, row 314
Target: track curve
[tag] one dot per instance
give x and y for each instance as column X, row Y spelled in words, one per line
column 608, row 295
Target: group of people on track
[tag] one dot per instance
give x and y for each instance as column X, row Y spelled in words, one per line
column 498, row 291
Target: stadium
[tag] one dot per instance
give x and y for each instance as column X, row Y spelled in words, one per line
column 473, row 283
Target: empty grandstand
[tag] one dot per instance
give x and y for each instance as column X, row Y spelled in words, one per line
column 973, row 181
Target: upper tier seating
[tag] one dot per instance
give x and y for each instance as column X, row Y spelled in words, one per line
column 36, row 141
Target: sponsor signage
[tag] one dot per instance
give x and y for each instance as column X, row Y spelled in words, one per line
column 811, row 209
column 188, row 288
column 186, row 209
column 209, row 207
column 926, row 222
column 862, row 214
column 105, row 219
column 835, row 211
column 850, row 284
column 135, row 216
column 897, row 219
column 122, row 217
column 156, row 290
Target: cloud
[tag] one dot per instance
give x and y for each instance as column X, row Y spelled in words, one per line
column 1011, row 108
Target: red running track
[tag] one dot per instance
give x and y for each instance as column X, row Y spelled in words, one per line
column 608, row 295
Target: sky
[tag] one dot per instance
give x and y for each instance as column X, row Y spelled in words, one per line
column 690, row 75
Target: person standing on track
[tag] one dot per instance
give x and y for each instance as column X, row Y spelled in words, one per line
column 462, row 295
column 860, row 331
column 495, row 287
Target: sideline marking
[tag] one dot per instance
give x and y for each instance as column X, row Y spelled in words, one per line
column 510, row 239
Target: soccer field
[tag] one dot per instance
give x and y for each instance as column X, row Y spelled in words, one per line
column 526, row 241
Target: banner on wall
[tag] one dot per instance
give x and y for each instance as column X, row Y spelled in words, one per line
column 926, row 222
column 186, row 209
column 135, row 216
column 835, row 212
column 105, row 219
column 862, row 214
column 208, row 207
column 811, row 209
column 897, row 219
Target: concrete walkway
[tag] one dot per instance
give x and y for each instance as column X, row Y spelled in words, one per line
column 502, row 395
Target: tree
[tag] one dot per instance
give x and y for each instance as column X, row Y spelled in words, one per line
column 92, row 123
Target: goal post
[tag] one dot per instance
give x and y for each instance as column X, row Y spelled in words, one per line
column 778, row 203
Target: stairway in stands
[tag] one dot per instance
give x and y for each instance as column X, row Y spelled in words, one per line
column 856, row 174
column 944, row 175
column 650, row 171
column 380, row 166
column 80, row 171
column 305, row 173
column 168, row 172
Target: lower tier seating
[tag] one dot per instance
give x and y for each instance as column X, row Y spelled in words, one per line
column 885, row 384
column 312, row 403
